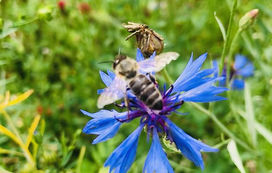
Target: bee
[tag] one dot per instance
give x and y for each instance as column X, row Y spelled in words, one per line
column 148, row 40
column 136, row 76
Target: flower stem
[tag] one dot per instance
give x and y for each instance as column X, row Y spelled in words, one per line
column 167, row 76
column 230, row 55
column 220, row 125
column 227, row 42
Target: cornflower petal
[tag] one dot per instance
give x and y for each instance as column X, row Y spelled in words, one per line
column 111, row 74
column 192, row 76
column 189, row 146
column 105, row 78
column 139, row 55
column 240, row 61
column 238, row 84
column 246, row 71
column 104, row 124
column 204, row 93
column 215, row 67
column 156, row 160
column 123, row 156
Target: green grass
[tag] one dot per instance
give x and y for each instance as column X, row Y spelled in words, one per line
column 59, row 59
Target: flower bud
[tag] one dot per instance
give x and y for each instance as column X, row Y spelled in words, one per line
column 45, row 13
column 248, row 19
column 61, row 4
column 84, row 7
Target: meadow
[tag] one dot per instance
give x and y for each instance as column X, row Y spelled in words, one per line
column 50, row 58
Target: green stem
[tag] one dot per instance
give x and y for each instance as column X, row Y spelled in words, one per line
column 12, row 126
column 167, row 76
column 230, row 55
column 24, row 23
column 227, row 42
column 80, row 158
column 221, row 126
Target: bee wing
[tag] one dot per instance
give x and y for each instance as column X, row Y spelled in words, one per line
column 114, row 92
column 157, row 63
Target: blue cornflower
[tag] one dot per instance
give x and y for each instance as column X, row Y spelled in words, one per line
column 193, row 85
column 241, row 69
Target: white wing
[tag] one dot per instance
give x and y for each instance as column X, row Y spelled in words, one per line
column 114, row 92
column 158, row 62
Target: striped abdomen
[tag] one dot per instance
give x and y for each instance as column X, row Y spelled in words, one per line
column 146, row 91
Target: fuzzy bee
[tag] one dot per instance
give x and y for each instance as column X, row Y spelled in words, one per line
column 135, row 76
column 148, row 40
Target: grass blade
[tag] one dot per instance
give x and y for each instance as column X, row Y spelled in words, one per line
column 80, row 158
column 235, row 157
column 32, row 129
column 250, row 118
column 27, row 154
column 221, row 26
column 20, row 98
column 260, row 128
column 264, row 132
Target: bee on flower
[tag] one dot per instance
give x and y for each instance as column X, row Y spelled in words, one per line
column 241, row 69
column 193, row 85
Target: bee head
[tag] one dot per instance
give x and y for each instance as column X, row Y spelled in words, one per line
column 118, row 59
column 125, row 67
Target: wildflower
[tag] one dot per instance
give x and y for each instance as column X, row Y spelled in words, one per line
column 193, row 85
column 248, row 19
column 61, row 5
column 241, row 69
column 84, row 7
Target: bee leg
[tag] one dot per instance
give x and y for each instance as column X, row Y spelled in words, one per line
column 152, row 78
column 146, row 45
column 168, row 91
column 132, row 34
column 127, row 101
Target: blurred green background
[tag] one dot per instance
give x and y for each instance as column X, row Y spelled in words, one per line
column 54, row 48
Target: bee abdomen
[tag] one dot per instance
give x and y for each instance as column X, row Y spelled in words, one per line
column 146, row 91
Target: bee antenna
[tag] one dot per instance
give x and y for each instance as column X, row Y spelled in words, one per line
column 103, row 62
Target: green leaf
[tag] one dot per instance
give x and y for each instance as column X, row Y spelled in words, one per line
column 260, row 128
column 250, row 117
column 221, row 26
column 264, row 132
column 66, row 159
column 235, row 157
column 6, row 32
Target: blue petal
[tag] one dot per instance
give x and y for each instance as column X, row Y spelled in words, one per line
column 153, row 55
column 240, row 61
column 156, row 160
column 216, row 69
column 139, row 55
column 105, row 78
column 111, row 74
column 108, row 133
column 99, row 91
column 238, row 84
column 102, row 113
column 123, row 156
column 192, row 73
column 204, row 93
column 246, row 71
column 104, row 124
column 196, row 80
column 189, row 146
